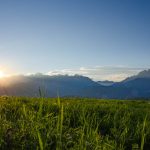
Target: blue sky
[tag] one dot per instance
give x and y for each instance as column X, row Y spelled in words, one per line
column 45, row 36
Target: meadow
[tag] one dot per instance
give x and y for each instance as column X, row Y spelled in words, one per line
column 74, row 124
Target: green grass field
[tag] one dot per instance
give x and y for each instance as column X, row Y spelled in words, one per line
column 74, row 124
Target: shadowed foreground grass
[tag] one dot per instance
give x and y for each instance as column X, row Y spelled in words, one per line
column 74, row 124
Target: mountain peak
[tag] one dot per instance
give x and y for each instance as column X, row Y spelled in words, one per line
column 144, row 74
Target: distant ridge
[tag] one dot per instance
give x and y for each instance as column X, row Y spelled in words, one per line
column 137, row 86
column 142, row 74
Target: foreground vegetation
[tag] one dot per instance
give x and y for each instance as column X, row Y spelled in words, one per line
column 74, row 124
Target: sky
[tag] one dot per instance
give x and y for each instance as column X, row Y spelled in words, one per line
column 75, row 36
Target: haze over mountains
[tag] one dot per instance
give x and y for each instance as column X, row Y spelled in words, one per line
column 106, row 83
column 137, row 86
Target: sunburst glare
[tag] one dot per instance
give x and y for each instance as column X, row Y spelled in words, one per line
column 2, row 74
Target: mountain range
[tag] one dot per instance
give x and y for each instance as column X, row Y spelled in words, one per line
column 137, row 86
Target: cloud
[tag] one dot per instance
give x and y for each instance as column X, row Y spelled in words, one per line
column 117, row 73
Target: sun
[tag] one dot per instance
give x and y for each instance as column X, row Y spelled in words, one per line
column 2, row 74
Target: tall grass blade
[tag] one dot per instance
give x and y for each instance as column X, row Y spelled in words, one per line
column 40, row 140
column 143, row 135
